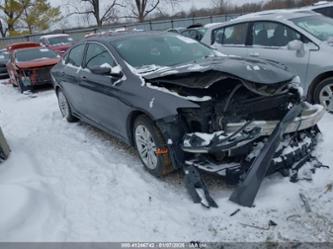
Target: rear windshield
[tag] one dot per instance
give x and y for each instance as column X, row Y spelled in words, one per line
column 34, row 54
column 60, row 40
column 4, row 55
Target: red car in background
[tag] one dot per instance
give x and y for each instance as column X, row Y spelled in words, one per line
column 57, row 42
column 30, row 64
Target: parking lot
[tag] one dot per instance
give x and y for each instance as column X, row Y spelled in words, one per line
column 72, row 182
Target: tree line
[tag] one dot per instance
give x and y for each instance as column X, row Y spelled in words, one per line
column 31, row 16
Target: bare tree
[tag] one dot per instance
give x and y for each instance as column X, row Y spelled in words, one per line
column 94, row 8
column 140, row 9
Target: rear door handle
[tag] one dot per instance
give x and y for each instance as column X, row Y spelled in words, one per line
column 254, row 54
column 83, row 77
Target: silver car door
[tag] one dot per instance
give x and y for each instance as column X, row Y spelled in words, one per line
column 278, row 42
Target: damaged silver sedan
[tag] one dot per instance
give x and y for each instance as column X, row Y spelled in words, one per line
column 186, row 106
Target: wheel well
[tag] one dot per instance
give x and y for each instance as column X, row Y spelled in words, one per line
column 130, row 124
column 315, row 82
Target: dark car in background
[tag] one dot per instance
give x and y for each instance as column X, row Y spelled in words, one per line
column 322, row 7
column 4, row 57
column 59, row 43
column 29, row 65
column 185, row 106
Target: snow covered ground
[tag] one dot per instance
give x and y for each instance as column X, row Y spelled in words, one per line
column 71, row 182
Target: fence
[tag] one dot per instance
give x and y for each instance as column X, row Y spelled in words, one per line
column 79, row 33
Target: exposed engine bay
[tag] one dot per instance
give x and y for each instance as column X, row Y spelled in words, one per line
column 242, row 130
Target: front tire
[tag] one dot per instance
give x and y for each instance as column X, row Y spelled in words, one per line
column 147, row 139
column 64, row 107
column 323, row 94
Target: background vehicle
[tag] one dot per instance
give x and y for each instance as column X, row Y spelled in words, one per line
column 298, row 39
column 195, row 31
column 4, row 57
column 185, row 106
column 57, row 42
column 29, row 65
column 322, row 7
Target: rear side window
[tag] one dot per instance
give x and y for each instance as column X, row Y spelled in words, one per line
column 231, row 35
column 273, row 34
column 98, row 56
column 75, row 55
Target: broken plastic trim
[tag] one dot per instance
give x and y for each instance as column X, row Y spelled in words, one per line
column 4, row 147
column 246, row 192
column 193, row 143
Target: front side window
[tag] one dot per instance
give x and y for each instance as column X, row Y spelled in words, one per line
column 34, row 54
column 75, row 56
column 98, row 56
column 231, row 35
column 273, row 34
column 319, row 26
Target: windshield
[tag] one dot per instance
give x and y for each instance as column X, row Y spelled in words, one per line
column 34, row 54
column 319, row 26
column 163, row 50
column 60, row 40
column 4, row 55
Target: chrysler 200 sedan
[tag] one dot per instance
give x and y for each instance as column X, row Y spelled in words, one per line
column 185, row 106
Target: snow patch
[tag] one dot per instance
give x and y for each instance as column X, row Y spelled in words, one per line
column 191, row 98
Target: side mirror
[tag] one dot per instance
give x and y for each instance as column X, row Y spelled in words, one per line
column 101, row 70
column 298, row 46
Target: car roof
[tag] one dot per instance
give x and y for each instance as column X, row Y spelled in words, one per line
column 318, row 5
column 277, row 14
column 122, row 35
column 52, row 36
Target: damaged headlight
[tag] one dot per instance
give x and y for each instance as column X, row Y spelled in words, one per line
column 295, row 83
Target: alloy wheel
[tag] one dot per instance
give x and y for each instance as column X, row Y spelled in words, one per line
column 326, row 97
column 146, row 146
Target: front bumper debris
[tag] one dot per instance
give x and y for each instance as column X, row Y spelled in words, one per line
column 310, row 116
column 276, row 146
column 4, row 147
column 240, row 134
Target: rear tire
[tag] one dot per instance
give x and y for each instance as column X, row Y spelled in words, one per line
column 64, row 107
column 323, row 94
column 147, row 139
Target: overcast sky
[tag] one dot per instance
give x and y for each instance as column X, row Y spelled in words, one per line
column 185, row 5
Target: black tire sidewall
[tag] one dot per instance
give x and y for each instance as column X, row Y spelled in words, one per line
column 70, row 118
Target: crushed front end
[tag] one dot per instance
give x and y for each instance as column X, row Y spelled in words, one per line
column 243, row 132
column 30, row 77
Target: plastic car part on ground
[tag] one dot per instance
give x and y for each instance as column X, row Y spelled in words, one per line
column 4, row 147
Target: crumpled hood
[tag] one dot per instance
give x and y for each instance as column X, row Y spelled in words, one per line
column 206, row 72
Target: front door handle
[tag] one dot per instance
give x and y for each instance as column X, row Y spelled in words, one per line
column 254, row 54
column 83, row 77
